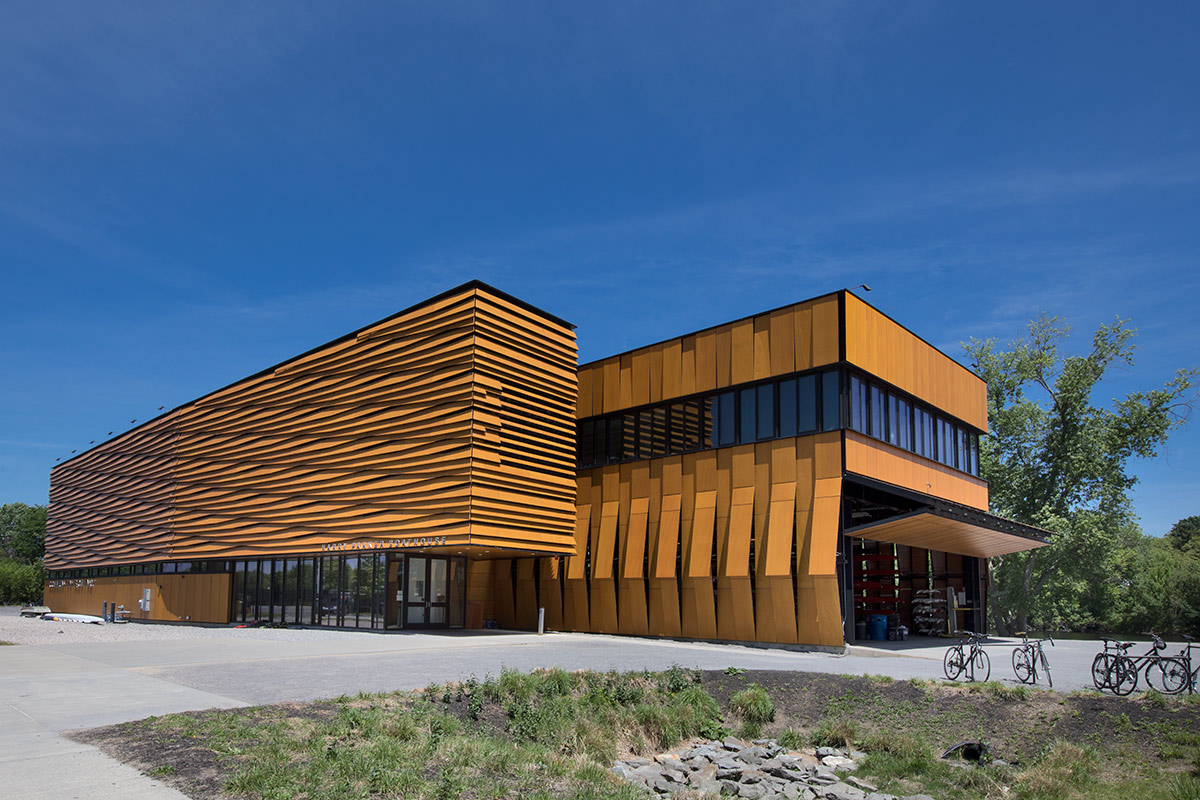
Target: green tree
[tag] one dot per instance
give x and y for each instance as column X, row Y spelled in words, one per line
column 1185, row 535
column 23, row 532
column 1055, row 460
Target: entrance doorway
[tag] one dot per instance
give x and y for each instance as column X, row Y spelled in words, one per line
column 426, row 591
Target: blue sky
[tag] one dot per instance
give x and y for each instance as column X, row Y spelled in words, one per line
column 190, row 192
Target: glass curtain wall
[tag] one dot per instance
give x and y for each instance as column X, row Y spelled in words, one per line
column 339, row 591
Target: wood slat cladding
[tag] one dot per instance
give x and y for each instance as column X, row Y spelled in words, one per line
column 173, row 598
column 738, row 543
column 798, row 337
column 874, row 459
column 454, row 418
column 888, row 351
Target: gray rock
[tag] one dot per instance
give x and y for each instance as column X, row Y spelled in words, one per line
column 857, row 755
column 858, row 783
column 707, row 773
column 752, row 776
column 839, row 762
column 729, row 787
column 637, row 761
column 878, row 796
column 675, row 775
column 622, row 770
column 753, row 755
column 729, row 768
column 842, row 791
column 828, row 751
column 823, row 775
column 706, row 752
column 733, row 743
column 751, row 791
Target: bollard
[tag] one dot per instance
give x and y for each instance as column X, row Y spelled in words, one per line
column 104, row 612
column 541, row 620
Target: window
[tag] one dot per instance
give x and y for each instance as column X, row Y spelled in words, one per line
column 726, row 433
column 831, row 400
column 806, row 389
column 747, row 429
column 903, row 424
column 878, row 419
column 766, row 411
column 585, row 442
column 858, row 405
column 787, row 408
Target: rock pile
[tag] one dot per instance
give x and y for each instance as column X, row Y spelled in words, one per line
column 753, row 770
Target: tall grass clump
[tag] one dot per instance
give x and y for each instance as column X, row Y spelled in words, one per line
column 755, row 709
column 834, row 733
column 1065, row 770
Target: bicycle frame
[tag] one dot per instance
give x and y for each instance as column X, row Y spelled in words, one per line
column 975, row 660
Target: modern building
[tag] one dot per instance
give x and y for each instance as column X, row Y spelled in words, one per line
column 773, row 479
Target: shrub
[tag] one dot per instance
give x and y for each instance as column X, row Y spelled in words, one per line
column 20, row 583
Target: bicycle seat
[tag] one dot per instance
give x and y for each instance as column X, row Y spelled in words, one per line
column 1187, row 638
column 1122, row 646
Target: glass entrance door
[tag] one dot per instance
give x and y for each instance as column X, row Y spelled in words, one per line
column 426, row 595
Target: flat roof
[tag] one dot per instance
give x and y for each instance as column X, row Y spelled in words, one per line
column 781, row 308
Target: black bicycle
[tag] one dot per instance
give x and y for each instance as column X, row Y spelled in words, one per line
column 973, row 662
column 1029, row 658
column 1192, row 667
column 1118, row 672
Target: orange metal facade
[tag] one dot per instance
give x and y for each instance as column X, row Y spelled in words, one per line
column 450, row 428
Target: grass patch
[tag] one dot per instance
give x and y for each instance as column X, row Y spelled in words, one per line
column 553, row 735
column 834, row 733
column 3, row 643
column 1067, row 770
column 1000, row 691
column 755, row 709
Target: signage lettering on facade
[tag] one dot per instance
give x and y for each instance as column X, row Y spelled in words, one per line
column 77, row 583
column 386, row 544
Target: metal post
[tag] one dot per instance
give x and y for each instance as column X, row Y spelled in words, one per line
column 104, row 612
column 541, row 620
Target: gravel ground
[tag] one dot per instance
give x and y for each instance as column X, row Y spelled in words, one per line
column 35, row 631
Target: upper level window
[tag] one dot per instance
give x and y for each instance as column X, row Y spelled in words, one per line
column 884, row 414
column 763, row 411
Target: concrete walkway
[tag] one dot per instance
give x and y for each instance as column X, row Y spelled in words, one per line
column 50, row 688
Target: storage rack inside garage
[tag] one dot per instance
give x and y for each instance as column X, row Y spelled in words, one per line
column 876, row 579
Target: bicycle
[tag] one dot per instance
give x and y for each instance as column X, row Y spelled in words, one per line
column 1115, row 670
column 1185, row 657
column 973, row 662
column 1029, row 657
column 1110, row 670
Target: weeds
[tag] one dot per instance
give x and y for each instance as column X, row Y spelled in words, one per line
column 834, row 733
column 999, row 691
column 755, row 708
column 1183, row 787
column 1065, row 769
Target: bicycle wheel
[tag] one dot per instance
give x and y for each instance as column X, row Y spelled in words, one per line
column 1022, row 666
column 1125, row 675
column 1102, row 671
column 1167, row 675
column 980, row 664
column 952, row 663
column 1046, row 669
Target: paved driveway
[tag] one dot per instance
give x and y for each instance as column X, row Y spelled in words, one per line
column 108, row 677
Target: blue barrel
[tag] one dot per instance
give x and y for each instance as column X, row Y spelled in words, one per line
column 879, row 627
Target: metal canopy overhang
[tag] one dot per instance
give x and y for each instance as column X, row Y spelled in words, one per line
column 953, row 528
